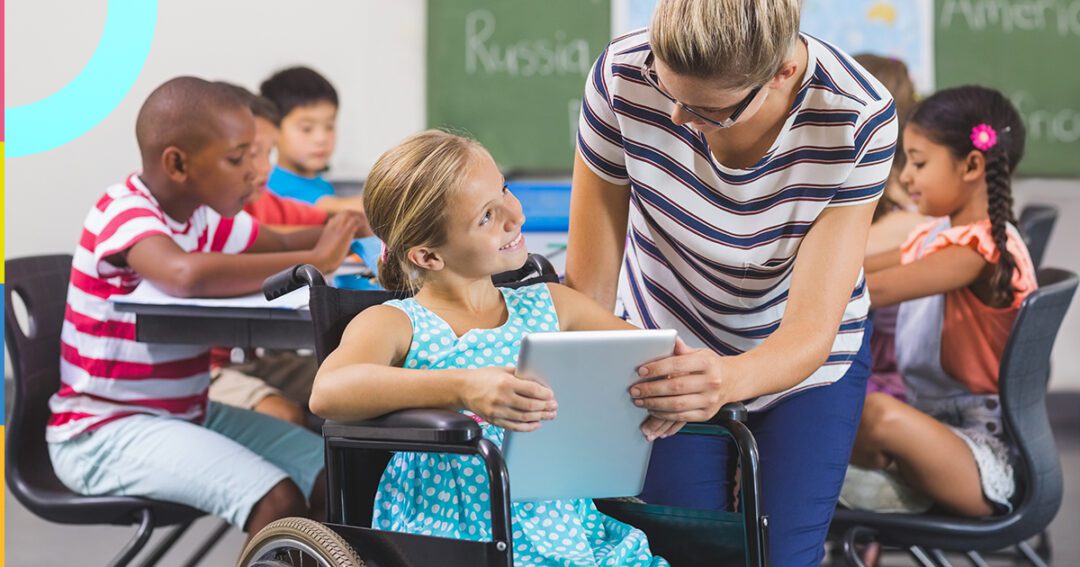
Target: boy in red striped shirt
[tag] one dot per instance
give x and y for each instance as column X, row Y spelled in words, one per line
column 133, row 418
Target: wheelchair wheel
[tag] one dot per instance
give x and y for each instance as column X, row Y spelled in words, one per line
column 298, row 542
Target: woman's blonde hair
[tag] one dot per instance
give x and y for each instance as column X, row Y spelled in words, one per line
column 742, row 43
column 406, row 197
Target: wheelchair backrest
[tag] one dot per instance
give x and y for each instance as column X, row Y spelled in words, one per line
column 332, row 308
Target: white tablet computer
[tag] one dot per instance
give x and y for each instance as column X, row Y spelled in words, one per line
column 594, row 447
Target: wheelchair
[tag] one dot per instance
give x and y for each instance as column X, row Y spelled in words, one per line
column 357, row 454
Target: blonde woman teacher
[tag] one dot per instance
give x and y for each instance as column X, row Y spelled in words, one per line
column 725, row 179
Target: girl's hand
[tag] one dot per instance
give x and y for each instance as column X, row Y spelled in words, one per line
column 503, row 399
column 690, row 385
column 655, row 428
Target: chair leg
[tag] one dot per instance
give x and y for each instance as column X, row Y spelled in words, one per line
column 939, row 556
column 208, row 544
column 135, row 545
column 920, row 555
column 163, row 547
column 976, row 559
column 1042, row 545
column 1030, row 554
column 851, row 537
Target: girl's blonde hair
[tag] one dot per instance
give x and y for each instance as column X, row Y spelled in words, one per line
column 742, row 43
column 407, row 195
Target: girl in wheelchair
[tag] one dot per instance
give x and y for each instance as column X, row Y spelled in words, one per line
column 448, row 223
column 960, row 280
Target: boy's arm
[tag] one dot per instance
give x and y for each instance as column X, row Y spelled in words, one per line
column 335, row 204
column 207, row 274
column 271, row 239
column 577, row 312
column 359, row 380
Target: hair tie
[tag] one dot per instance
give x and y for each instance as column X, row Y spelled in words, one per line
column 384, row 253
column 983, row 137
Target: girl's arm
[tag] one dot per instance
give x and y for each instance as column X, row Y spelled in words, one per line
column 881, row 261
column 950, row 268
column 361, row 379
column 598, row 216
column 580, row 313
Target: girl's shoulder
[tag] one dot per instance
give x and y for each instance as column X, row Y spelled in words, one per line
column 979, row 237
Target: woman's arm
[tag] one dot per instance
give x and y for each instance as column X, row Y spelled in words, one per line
column 827, row 265
column 598, row 217
column 361, row 380
column 950, row 268
column 580, row 313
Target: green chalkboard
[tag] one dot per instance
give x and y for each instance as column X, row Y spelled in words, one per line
column 1030, row 49
column 511, row 73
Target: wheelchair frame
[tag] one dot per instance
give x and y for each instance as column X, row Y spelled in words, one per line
column 357, row 454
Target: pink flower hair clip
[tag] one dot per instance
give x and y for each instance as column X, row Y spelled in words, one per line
column 983, row 137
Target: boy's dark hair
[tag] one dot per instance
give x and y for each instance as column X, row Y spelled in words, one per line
column 947, row 118
column 297, row 86
column 183, row 112
column 260, row 106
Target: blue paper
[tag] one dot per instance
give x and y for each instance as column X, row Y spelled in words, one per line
column 368, row 249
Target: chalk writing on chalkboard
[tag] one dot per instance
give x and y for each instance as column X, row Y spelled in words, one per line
column 557, row 55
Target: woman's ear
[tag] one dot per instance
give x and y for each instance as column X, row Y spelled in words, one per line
column 974, row 166
column 425, row 258
column 787, row 71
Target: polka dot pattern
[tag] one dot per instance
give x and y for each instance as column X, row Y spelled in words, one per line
column 448, row 495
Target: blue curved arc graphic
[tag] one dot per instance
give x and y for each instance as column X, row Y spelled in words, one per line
column 84, row 102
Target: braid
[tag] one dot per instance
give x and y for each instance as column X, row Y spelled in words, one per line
column 392, row 274
column 999, row 192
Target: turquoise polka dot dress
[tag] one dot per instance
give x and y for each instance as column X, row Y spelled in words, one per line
column 447, row 495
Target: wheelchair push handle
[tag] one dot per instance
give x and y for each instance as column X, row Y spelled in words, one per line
column 291, row 279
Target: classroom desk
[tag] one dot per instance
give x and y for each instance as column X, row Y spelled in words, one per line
column 222, row 326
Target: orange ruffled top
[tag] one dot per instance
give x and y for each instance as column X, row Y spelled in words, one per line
column 973, row 335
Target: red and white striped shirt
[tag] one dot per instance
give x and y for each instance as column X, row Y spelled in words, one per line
column 105, row 374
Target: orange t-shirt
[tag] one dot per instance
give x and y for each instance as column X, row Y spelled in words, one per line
column 973, row 335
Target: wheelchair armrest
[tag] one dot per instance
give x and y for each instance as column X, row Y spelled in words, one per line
column 735, row 411
column 413, row 425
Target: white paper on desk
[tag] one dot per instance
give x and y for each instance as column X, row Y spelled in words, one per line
column 147, row 294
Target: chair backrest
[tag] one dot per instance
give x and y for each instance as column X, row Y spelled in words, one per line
column 41, row 283
column 1035, row 224
column 332, row 308
column 1025, row 370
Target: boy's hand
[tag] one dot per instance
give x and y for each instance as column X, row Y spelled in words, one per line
column 363, row 229
column 334, row 242
column 503, row 399
column 656, row 428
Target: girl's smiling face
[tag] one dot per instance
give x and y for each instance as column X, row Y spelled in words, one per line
column 483, row 224
column 938, row 182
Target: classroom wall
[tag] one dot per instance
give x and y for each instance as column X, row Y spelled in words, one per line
column 373, row 51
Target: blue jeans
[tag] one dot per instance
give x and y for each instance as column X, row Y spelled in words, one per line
column 804, row 442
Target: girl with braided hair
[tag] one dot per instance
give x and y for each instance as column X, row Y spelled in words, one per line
column 959, row 280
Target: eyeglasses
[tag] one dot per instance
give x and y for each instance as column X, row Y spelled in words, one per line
column 649, row 74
